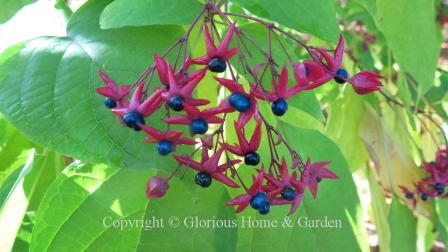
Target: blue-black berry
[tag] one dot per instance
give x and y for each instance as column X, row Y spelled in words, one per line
column 279, row 107
column 176, row 103
column 341, row 76
column 133, row 119
column 240, row 102
column 203, row 179
column 252, row 158
column 409, row 195
column 258, row 200
column 217, row 65
column 199, row 126
column 264, row 209
column 288, row 194
column 438, row 186
column 318, row 179
column 109, row 103
column 424, row 196
column 164, row 147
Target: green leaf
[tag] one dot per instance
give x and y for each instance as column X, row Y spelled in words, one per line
column 79, row 209
column 9, row 8
column 122, row 13
column 403, row 228
column 343, row 125
column 25, row 194
column 47, row 88
column 413, row 36
column 315, row 17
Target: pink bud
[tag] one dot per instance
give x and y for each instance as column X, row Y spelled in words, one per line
column 156, row 187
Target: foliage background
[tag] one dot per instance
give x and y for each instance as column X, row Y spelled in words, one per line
column 52, row 116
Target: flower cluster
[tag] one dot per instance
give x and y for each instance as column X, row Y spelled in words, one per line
column 433, row 185
column 274, row 182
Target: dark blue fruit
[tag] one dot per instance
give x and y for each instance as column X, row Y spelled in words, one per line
column 288, row 194
column 258, row 200
column 109, row 103
column 217, row 65
column 133, row 119
column 164, row 147
column 203, row 179
column 199, row 126
column 176, row 103
column 341, row 76
column 318, row 179
column 240, row 102
column 409, row 195
column 279, row 107
column 424, row 196
column 438, row 186
column 264, row 209
column 252, row 158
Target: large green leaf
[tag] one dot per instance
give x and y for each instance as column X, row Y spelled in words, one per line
column 343, row 125
column 403, row 228
column 315, row 17
column 47, row 88
column 413, row 36
column 121, row 13
column 26, row 192
column 78, row 211
column 9, row 8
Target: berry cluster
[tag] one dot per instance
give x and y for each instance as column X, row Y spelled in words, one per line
column 277, row 184
column 433, row 185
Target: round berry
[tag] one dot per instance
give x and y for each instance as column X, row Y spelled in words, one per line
column 176, row 103
column 264, row 209
column 424, row 196
column 217, row 65
column 109, row 103
column 240, row 102
column 203, row 179
column 252, row 158
column 409, row 195
column 199, row 126
column 258, row 200
column 318, row 179
column 441, row 191
column 341, row 76
column 279, row 107
column 164, row 147
column 438, row 186
column 133, row 119
column 288, row 194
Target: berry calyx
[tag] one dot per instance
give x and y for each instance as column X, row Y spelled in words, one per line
column 288, row 194
column 176, row 103
column 203, row 179
column 252, row 158
column 424, row 196
column 264, row 209
column 239, row 102
column 341, row 76
column 109, row 103
column 279, row 107
column 199, row 126
column 164, row 147
column 258, row 200
column 217, row 65
column 133, row 119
